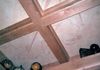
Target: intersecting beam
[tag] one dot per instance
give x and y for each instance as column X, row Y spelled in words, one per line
column 51, row 18
column 45, row 31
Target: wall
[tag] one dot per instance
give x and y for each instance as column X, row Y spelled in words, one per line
column 79, row 31
column 11, row 12
column 28, row 49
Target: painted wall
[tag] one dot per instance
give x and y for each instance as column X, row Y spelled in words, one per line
column 79, row 31
column 28, row 49
column 11, row 12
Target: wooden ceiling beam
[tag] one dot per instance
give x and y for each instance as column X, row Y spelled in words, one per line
column 15, row 26
column 44, row 31
column 16, row 32
column 54, row 44
column 66, row 12
column 53, row 18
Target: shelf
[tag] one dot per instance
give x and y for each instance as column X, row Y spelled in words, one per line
column 87, row 63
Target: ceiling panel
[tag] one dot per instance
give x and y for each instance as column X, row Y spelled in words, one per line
column 28, row 49
column 79, row 31
column 11, row 12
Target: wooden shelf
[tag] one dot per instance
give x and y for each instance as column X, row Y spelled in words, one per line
column 87, row 63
